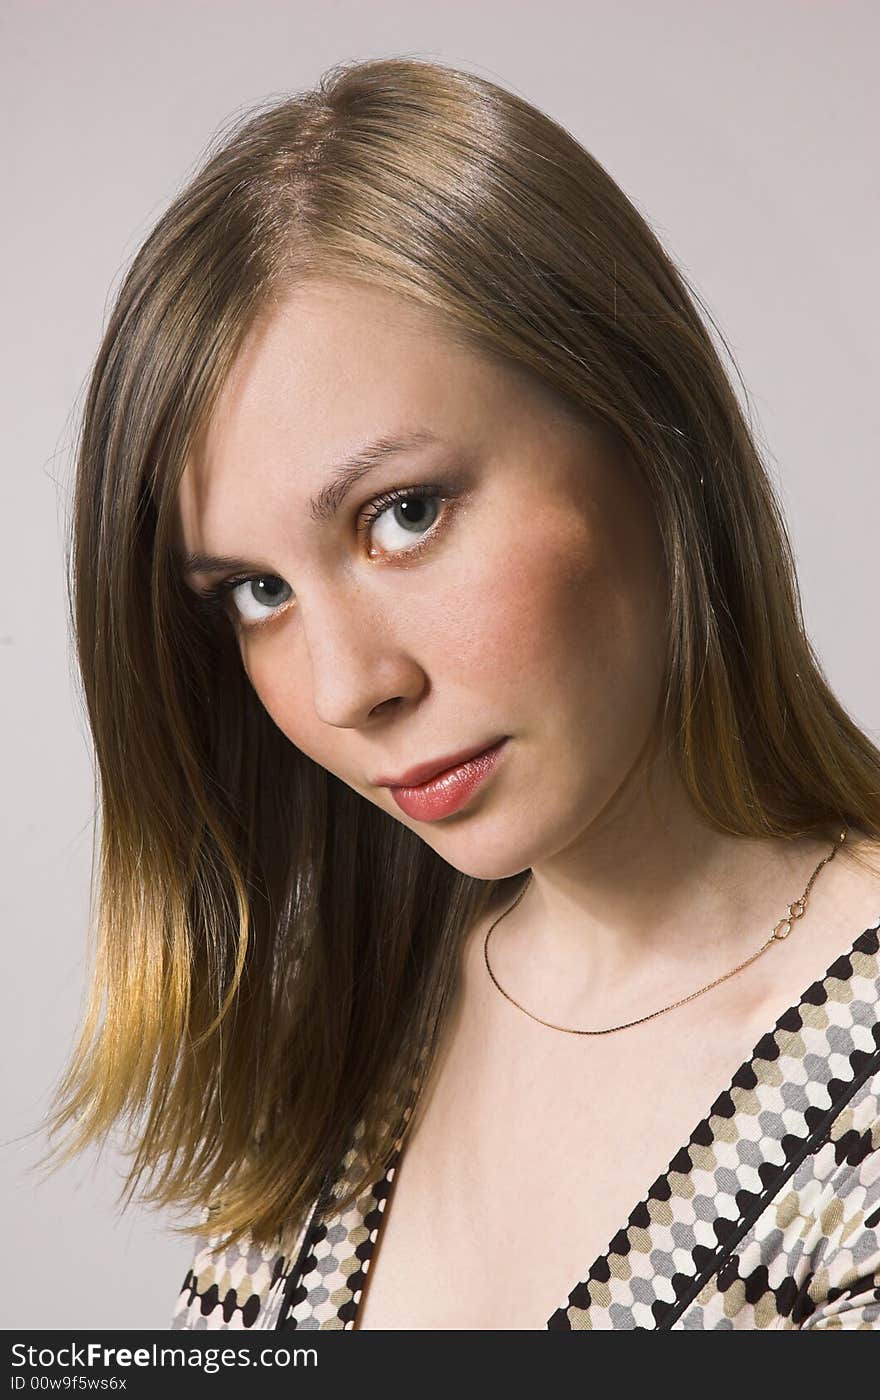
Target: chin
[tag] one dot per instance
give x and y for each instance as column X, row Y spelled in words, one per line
column 492, row 858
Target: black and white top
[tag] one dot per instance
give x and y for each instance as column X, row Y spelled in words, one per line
column 767, row 1217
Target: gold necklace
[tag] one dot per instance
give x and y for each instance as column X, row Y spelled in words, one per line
column 780, row 931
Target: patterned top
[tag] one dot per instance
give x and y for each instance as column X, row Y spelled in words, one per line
column 768, row 1217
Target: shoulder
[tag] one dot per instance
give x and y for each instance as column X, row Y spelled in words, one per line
column 837, row 1196
column 797, row 1242
column 239, row 1286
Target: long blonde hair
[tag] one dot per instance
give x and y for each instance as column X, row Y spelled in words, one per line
column 273, row 952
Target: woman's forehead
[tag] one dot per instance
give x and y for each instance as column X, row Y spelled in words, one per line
column 336, row 378
column 310, row 393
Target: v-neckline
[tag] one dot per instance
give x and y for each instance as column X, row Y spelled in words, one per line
column 776, row 1106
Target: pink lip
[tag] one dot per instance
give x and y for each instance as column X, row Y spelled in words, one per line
column 449, row 789
column 421, row 772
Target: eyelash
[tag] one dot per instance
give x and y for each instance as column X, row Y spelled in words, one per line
column 214, row 598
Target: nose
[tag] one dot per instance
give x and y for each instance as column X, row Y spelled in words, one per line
column 358, row 661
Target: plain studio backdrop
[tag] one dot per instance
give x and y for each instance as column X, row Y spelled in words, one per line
column 745, row 134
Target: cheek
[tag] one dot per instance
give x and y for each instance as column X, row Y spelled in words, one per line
column 543, row 613
column 269, row 665
column 565, row 629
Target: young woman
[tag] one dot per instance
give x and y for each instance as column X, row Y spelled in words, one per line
column 489, row 891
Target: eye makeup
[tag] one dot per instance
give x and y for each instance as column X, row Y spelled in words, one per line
column 217, row 597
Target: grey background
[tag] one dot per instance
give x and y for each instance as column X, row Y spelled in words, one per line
column 747, row 136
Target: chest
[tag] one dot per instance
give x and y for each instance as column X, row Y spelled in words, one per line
column 530, row 1149
column 526, row 1158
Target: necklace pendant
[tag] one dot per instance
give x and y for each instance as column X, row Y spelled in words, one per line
column 796, row 911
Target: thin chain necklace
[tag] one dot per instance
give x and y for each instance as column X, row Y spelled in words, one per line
column 780, row 931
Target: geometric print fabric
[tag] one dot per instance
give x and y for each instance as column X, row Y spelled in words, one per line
column 768, row 1217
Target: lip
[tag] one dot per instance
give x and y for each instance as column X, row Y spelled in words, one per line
column 423, row 772
column 450, row 789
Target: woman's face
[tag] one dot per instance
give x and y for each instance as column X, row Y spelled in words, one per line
column 519, row 595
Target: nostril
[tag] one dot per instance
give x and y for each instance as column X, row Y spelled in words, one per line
column 384, row 704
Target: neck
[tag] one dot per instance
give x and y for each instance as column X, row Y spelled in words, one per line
column 648, row 896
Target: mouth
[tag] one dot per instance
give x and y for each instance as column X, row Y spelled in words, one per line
column 448, row 789
column 435, row 768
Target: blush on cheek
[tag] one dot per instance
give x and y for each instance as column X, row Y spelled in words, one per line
column 549, row 607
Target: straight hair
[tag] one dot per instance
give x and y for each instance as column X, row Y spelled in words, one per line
column 274, row 956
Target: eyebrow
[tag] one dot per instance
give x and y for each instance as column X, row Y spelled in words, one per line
column 343, row 476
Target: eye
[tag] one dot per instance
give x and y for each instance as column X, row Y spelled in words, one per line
column 255, row 599
column 397, row 521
